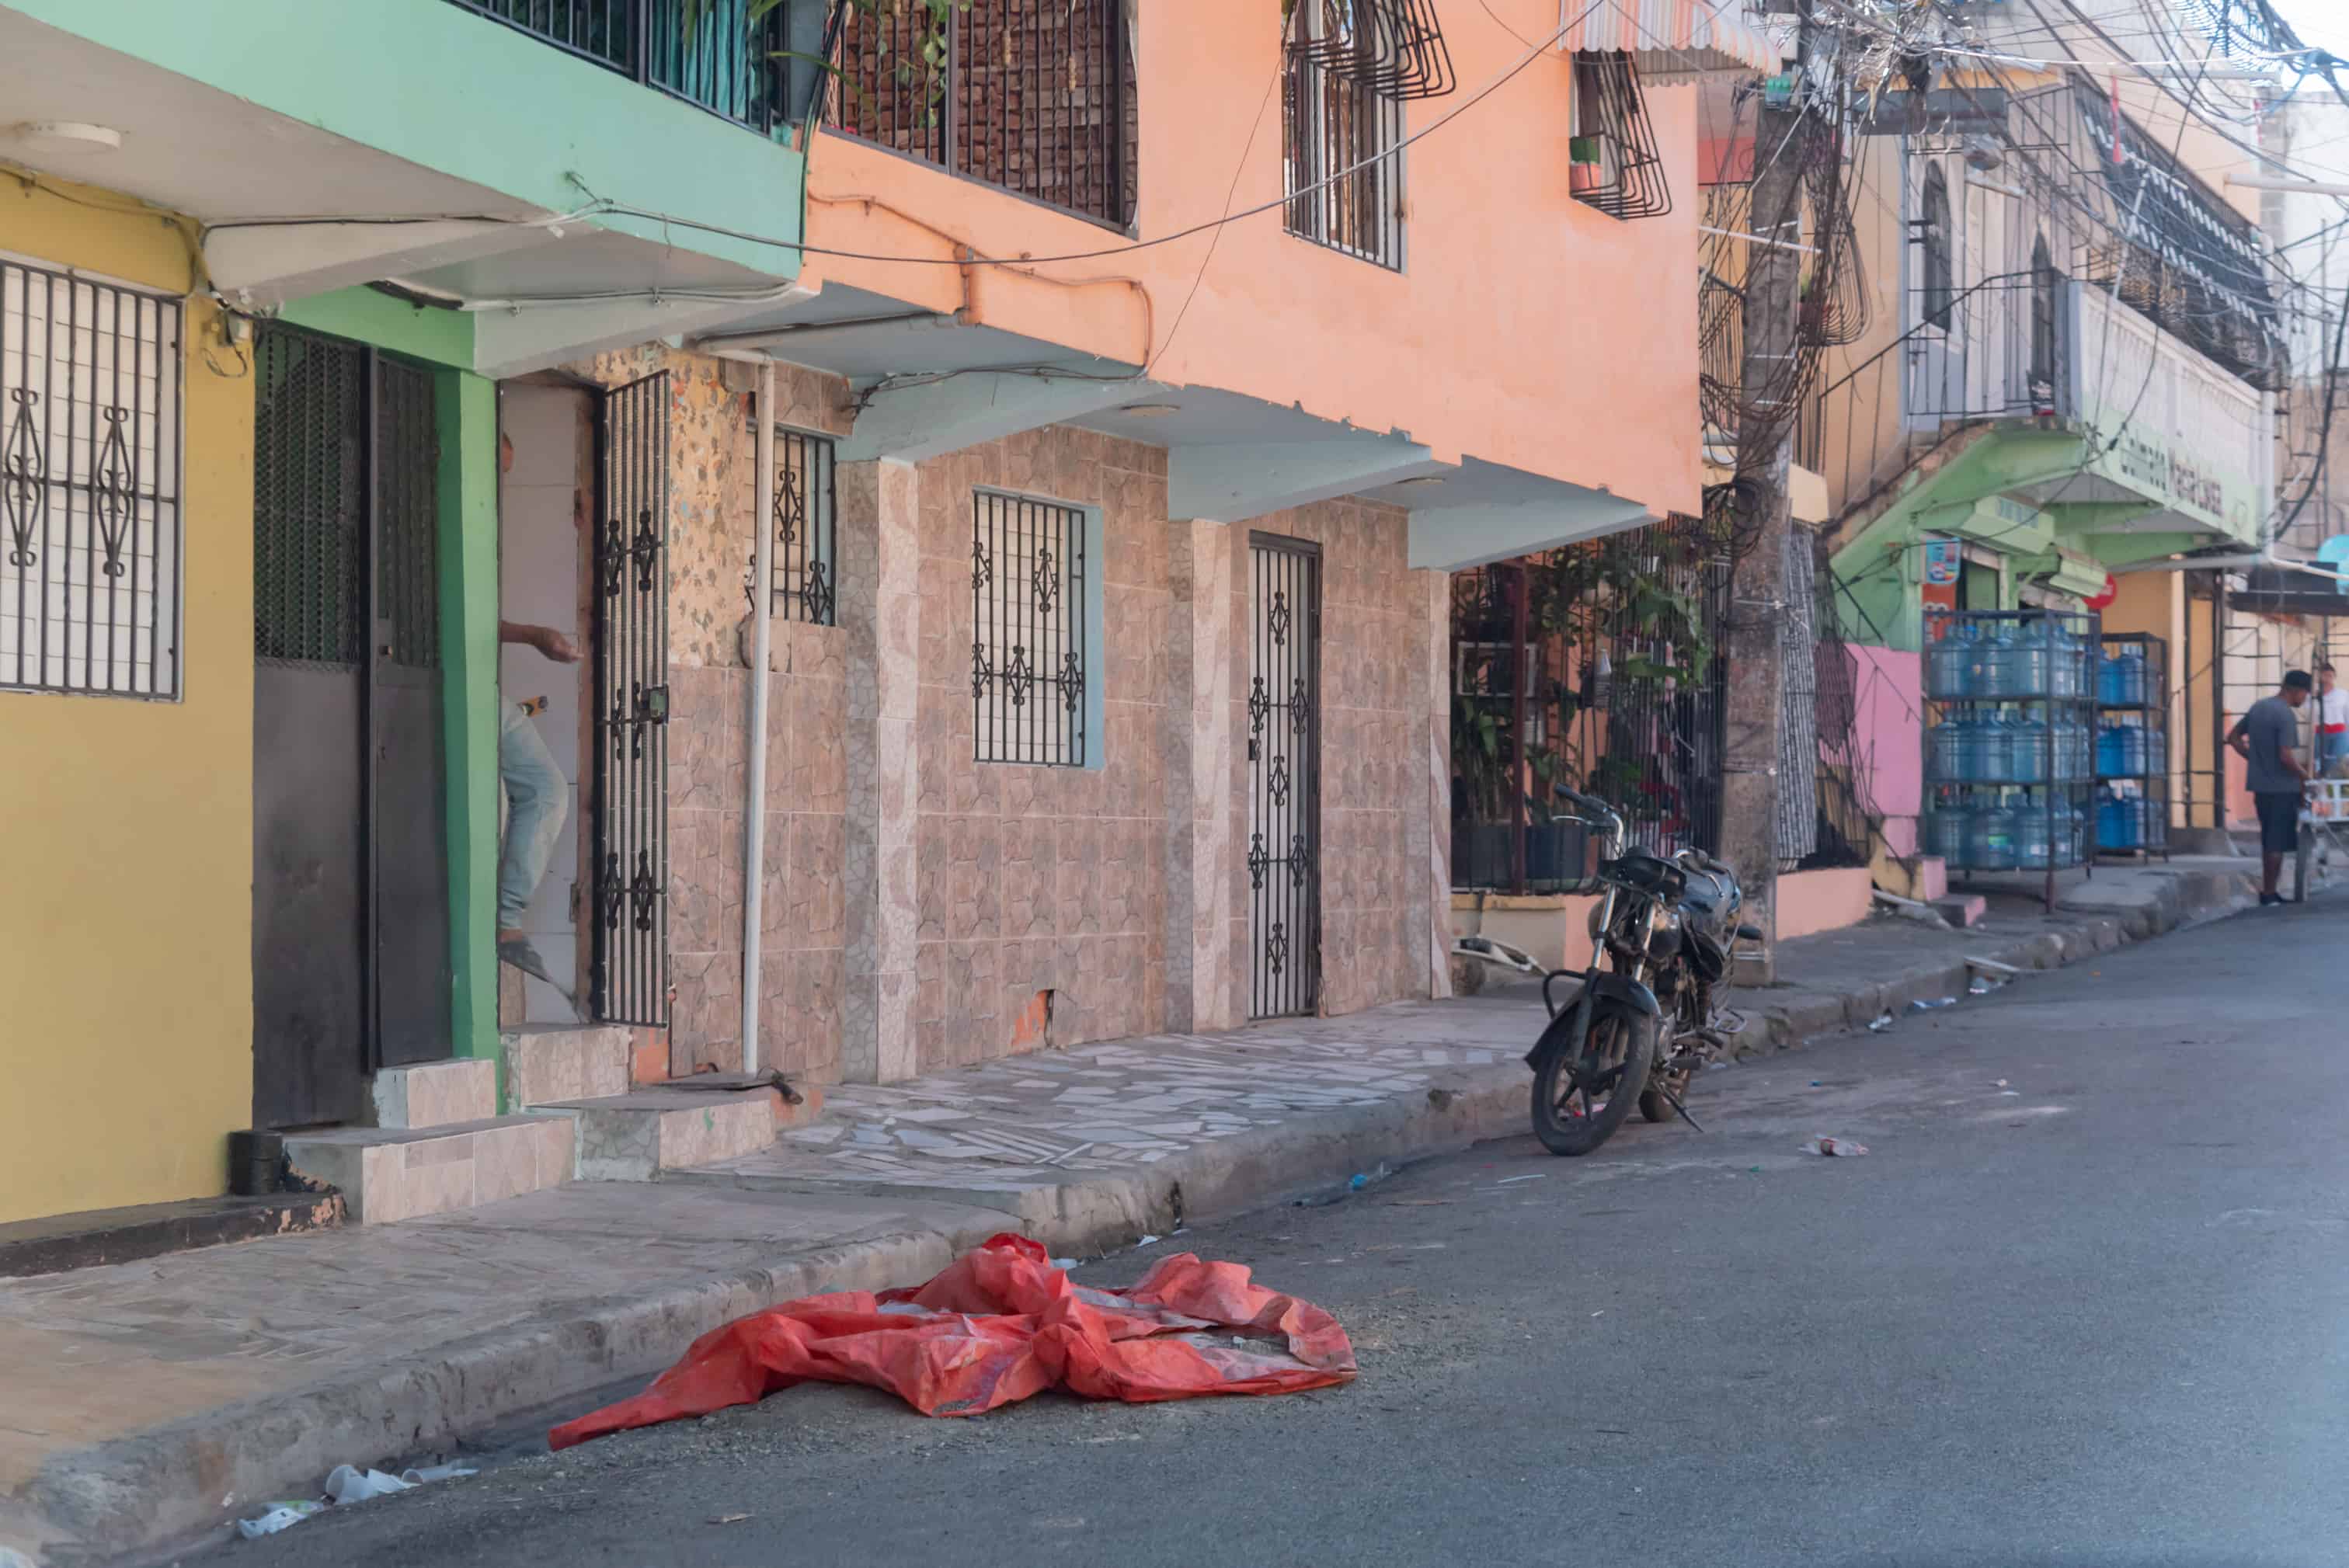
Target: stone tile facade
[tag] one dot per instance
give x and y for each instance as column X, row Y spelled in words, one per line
column 1379, row 687
column 713, row 480
column 923, row 909
column 1033, row 880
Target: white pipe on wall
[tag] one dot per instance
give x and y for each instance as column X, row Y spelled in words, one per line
column 763, row 605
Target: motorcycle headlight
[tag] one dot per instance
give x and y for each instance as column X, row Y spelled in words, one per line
column 1664, row 936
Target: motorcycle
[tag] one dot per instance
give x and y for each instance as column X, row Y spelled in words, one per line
column 1652, row 1006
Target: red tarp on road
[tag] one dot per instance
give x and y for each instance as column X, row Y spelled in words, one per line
column 998, row 1325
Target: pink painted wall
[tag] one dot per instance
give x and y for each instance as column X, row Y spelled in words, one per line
column 1889, row 739
column 1812, row 901
column 1538, row 332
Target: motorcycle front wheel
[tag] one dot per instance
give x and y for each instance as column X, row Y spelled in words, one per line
column 1579, row 1101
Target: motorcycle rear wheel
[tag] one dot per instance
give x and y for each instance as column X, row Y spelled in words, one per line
column 1578, row 1102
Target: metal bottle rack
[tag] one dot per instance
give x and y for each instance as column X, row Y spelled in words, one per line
column 2139, row 808
column 2010, row 740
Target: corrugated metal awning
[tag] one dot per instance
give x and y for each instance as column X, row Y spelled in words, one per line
column 1675, row 38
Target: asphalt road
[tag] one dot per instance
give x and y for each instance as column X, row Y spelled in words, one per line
column 2096, row 1316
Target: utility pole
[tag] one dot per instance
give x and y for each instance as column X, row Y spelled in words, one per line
column 1753, row 645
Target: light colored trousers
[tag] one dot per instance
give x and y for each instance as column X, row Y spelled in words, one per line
column 538, row 799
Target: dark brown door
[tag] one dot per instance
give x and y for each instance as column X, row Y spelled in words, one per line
column 350, row 927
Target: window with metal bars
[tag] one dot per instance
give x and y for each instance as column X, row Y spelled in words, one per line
column 1028, row 616
column 1341, row 136
column 1941, row 291
column 804, row 586
column 1037, row 98
column 1613, row 162
column 89, row 486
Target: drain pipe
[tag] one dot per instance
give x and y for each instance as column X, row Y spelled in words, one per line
column 763, row 606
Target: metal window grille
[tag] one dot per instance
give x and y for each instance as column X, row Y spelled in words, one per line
column 1037, row 98
column 1615, row 164
column 803, row 586
column 1028, row 667
column 407, row 511
column 724, row 63
column 309, row 500
column 1341, row 141
column 1596, row 665
column 89, row 486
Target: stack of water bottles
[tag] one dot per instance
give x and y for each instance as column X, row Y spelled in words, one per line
column 2008, row 759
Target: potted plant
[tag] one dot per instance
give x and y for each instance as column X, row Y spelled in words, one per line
column 1585, row 163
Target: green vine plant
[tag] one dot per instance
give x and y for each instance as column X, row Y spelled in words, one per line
column 1636, row 600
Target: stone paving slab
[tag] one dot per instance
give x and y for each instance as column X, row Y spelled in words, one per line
column 145, row 1401
column 1107, row 1108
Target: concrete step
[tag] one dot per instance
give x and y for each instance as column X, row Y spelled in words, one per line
column 548, row 1064
column 388, row 1173
column 435, row 1094
column 636, row 1136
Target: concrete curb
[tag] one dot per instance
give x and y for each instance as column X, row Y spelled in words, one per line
column 145, row 1493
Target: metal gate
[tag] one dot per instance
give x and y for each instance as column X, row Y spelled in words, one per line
column 631, row 729
column 350, row 936
column 1284, row 757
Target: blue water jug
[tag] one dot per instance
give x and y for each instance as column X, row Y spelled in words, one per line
column 2111, row 759
column 2109, row 681
column 2030, row 757
column 2056, row 672
column 1990, row 837
column 1945, row 829
column 1999, row 665
column 2034, row 835
column 1945, row 664
column 2129, row 680
column 1992, row 750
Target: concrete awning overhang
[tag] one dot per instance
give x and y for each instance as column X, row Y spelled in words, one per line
column 286, row 210
column 929, row 382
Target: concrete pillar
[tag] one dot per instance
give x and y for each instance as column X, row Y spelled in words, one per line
column 1429, row 816
column 1203, row 845
column 880, row 609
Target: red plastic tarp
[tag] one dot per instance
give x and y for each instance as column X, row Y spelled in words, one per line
column 1000, row 1324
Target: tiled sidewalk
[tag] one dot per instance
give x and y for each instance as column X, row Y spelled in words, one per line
column 1117, row 1108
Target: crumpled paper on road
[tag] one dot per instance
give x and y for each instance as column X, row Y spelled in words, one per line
column 1000, row 1324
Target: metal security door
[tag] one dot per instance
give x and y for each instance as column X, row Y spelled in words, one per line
column 408, row 821
column 350, row 928
column 631, row 728
column 1284, row 760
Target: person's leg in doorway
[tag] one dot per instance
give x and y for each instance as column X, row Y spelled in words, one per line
column 538, row 799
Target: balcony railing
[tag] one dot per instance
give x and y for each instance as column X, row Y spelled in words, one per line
column 723, row 62
column 1036, row 98
column 2162, row 417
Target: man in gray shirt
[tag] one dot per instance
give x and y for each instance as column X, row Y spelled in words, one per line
column 2267, row 739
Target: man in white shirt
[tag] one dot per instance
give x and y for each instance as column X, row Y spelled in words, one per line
column 2331, row 723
